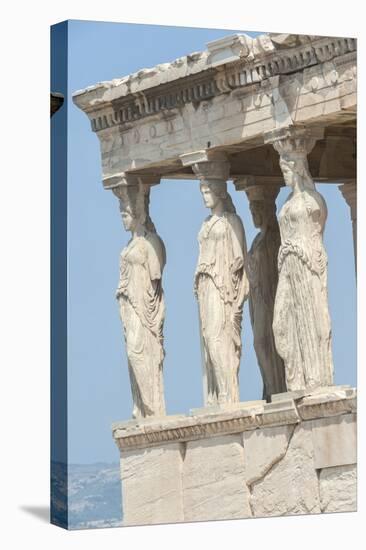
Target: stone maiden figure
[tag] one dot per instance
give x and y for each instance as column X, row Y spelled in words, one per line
column 263, row 279
column 301, row 323
column 141, row 302
column 221, row 286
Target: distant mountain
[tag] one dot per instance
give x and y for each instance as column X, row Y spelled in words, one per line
column 94, row 495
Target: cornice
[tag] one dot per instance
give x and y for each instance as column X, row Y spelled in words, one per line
column 204, row 75
column 240, row 417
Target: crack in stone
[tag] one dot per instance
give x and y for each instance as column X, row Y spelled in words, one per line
column 267, row 471
column 321, row 505
column 183, row 452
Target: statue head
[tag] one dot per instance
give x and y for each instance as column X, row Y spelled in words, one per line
column 134, row 208
column 263, row 212
column 262, row 204
column 215, row 192
column 129, row 218
column 257, row 211
column 295, row 170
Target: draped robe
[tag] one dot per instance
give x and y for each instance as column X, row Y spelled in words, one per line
column 142, row 311
column 301, row 323
column 221, row 286
column 263, row 279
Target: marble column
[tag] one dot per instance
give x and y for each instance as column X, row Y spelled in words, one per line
column 263, row 279
column 221, row 284
column 140, row 295
column 301, row 323
column 349, row 192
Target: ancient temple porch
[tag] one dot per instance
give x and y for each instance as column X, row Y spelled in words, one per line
column 233, row 112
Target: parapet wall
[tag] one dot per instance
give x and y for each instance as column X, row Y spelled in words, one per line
column 296, row 455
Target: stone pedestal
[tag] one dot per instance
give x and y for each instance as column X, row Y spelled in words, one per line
column 296, row 455
column 226, row 113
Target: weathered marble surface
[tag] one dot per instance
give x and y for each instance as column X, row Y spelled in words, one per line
column 152, row 485
column 221, row 287
column 338, row 489
column 263, row 449
column 235, row 418
column 335, row 441
column 227, row 95
column 213, row 475
column 222, row 104
column 221, row 283
column 248, row 460
column 291, row 485
column 263, row 280
column 301, row 322
column 141, row 301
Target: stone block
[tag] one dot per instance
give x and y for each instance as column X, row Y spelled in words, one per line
column 229, row 462
column 335, row 441
column 152, row 485
column 279, row 413
column 218, row 408
column 334, row 402
column 291, row 485
column 213, row 480
column 263, row 448
column 297, row 394
column 338, row 489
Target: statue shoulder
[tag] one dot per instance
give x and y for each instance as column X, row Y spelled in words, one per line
column 233, row 217
column 235, row 221
column 156, row 246
column 153, row 238
column 237, row 233
column 204, row 228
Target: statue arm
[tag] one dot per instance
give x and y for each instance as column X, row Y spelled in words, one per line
column 251, row 311
column 156, row 257
column 119, row 289
column 240, row 252
column 239, row 246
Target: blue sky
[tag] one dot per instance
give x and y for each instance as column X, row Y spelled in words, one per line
column 98, row 384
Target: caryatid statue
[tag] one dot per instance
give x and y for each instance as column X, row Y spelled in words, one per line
column 221, row 284
column 141, row 301
column 301, row 323
column 263, row 279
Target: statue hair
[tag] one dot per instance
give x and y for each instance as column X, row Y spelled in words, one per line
column 138, row 205
column 220, row 190
column 299, row 165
